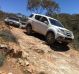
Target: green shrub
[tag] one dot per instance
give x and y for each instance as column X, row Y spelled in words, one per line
column 7, row 36
column 2, row 58
column 76, row 41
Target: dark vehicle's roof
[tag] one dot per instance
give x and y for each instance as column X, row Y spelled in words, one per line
column 18, row 18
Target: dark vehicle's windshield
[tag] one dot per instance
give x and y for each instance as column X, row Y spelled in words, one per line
column 56, row 23
column 14, row 19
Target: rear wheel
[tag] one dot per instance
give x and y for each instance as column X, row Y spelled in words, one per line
column 50, row 38
column 29, row 29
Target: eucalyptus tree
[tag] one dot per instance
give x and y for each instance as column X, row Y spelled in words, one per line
column 43, row 6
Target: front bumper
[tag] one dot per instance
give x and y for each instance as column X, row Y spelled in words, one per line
column 64, row 38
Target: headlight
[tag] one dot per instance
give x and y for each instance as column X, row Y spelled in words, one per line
column 66, row 33
column 61, row 31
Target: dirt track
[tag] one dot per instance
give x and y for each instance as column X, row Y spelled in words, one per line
column 42, row 59
column 45, row 59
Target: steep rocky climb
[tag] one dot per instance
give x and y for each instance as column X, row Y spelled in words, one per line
column 43, row 58
column 40, row 58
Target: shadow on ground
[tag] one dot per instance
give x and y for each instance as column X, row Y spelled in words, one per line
column 56, row 46
column 59, row 47
column 37, row 35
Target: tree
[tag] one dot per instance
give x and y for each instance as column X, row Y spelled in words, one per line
column 42, row 6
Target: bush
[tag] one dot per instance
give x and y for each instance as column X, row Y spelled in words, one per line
column 2, row 59
column 8, row 36
column 76, row 41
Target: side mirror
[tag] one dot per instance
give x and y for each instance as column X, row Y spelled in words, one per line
column 45, row 22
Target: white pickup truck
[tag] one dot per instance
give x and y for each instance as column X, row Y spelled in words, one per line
column 51, row 28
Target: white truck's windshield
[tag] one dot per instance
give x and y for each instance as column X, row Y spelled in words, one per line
column 56, row 23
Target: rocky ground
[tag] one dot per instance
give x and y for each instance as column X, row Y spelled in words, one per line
column 40, row 58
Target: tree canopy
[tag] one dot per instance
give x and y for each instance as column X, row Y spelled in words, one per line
column 43, row 6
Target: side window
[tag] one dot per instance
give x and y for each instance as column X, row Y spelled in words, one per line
column 37, row 17
column 44, row 20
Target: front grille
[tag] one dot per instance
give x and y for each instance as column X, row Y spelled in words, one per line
column 68, row 34
column 68, row 39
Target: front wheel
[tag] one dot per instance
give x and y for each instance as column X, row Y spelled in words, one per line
column 64, row 43
column 50, row 38
column 29, row 30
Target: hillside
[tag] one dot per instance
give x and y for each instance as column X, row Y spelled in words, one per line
column 3, row 15
column 37, row 57
column 71, row 22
